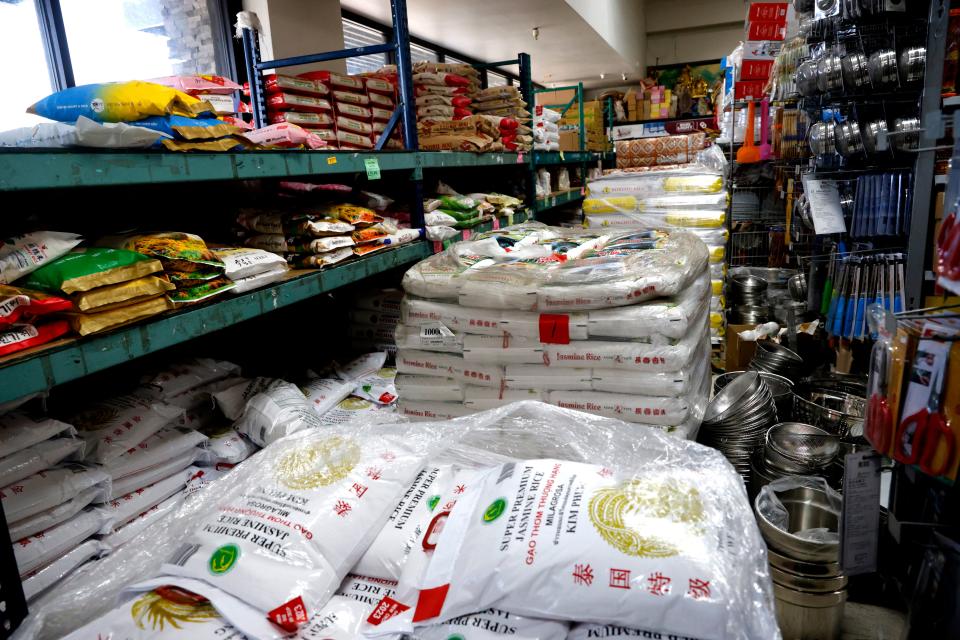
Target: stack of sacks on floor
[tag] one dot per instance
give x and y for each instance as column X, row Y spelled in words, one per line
column 528, row 521
column 505, row 108
column 612, row 324
column 689, row 196
column 372, row 320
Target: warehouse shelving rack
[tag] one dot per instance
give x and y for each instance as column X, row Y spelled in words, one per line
column 41, row 369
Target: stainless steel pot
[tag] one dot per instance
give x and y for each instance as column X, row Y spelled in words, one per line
column 806, row 78
column 809, row 616
column 823, row 138
column 849, row 141
column 805, row 584
column 907, row 132
column 805, row 569
column 855, row 74
column 871, row 132
column 829, row 73
column 807, row 508
column 913, row 61
column 882, row 67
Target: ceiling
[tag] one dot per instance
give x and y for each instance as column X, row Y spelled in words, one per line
column 570, row 47
column 567, row 50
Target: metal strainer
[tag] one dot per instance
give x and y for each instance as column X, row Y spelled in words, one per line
column 802, row 445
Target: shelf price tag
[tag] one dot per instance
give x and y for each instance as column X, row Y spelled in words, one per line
column 372, row 165
column 466, row 234
column 860, row 515
column 561, row 157
column 520, row 158
column 496, row 223
column 825, row 209
column 331, row 160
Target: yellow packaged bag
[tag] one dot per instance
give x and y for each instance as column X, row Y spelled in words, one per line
column 115, row 295
column 355, row 215
column 119, row 102
column 699, row 219
column 613, row 204
column 97, row 321
column 176, row 250
column 693, row 184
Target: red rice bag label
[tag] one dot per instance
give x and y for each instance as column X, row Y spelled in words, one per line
column 351, row 98
column 277, row 83
column 294, row 102
column 356, row 126
column 354, row 111
column 335, row 80
column 17, row 337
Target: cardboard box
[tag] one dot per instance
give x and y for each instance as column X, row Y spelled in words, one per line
column 556, row 97
column 569, row 141
column 739, row 352
column 769, row 11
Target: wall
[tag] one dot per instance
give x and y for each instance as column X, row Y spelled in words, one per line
column 299, row 27
column 187, row 22
column 692, row 30
column 621, row 23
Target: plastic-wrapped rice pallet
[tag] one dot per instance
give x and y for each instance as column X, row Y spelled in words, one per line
column 613, row 324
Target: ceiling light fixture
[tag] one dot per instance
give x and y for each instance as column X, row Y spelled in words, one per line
column 603, row 76
column 536, row 33
column 623, row 77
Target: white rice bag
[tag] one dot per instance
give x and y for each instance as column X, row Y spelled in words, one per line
column 358, row 368
column 492, row 624
column 299, row 520
column 39, row 549
column 448, row 365
column 146, row 477
column 52, row 516
column 483, row 398
column 416, row 312
column 503, row 350
column 163, row 446
column 278, row 411
column 379, row 387
column 652, row 548
column 668, row 412
column 226, row 447
column 20, row 430
column 424, row 410
column 415, row 387
column 538, row 376
column 323, row 394
column 545, row 327
column 258, row 280
column 604, row 631
column 47, row 489
column 127, row 532
column 38, row 457
column 244, row 262
column 350, row 409
column 233, row 399
column 44, row 578
column 366, row 589
column 123, row 509
column 113, row 426
column 631, row 356
column 23, row 254
column 181, row 377
column 385, row 557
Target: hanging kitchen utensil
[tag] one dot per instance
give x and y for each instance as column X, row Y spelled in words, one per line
column 765, row 150
column 749, row 153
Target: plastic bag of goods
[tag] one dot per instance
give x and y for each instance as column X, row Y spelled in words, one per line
column 533, row 267
column 279, row 410
column 633, row 538
column 112, row 426
column 23, row 254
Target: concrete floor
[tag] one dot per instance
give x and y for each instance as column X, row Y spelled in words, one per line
column 868, row 622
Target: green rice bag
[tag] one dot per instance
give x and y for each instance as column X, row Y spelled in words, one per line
column 86, row 269
column 459, row 215
column 200, row 292
column 457, row 203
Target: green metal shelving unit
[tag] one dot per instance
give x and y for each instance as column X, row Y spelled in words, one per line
column 558, row 199
column 71, row 359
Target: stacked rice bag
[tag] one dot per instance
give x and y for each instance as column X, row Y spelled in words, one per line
column 373, row 319
column 27, row 316
column 219, row 92
column 507, row 110
column 351, row 114
column 345, row 393
column 546, row 131
column 690, row 196
column 106, row 288
column 250, row 268
column 303, row 102
column 195, row 271
column 613, row 324
column 47, row 498
column 449, row 212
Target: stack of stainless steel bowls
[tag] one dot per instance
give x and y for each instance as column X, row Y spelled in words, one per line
column 808, row 585
column 737, row 418
column 780, row 387
column 748, row 293
column 775, row 358
column 836, row 412
column 792, row 448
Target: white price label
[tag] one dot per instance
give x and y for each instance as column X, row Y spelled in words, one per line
column 436, row 334
column 860, row 514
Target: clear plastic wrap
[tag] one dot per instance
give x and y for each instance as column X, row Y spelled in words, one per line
column 277, row 411
column 38, row 457
column 426, row 410
column 772, row 510
column 52, row 516
column 537, row 376
column 557, row 270
column 45, row 577
column 146, row 477
column 47, row 489
column 161, row 447
column 657, row 183
column 42, row 548
column 671, row 205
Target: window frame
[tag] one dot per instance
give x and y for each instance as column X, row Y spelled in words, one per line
column 228, row 57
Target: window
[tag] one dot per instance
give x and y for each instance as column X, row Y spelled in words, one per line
column 358, row 35
column 422, row 54
column 26, row 78
column 455, row 60
column 106, row 41
column 138, row 39
column 496, row 80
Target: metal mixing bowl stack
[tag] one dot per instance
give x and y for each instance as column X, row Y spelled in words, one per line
column 737, row 418
column 776, row 358
column 780, row 387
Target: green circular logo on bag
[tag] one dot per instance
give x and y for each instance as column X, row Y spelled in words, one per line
column 432, row 502
column 495, row 510
column 456, row 637
column 224, row 559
